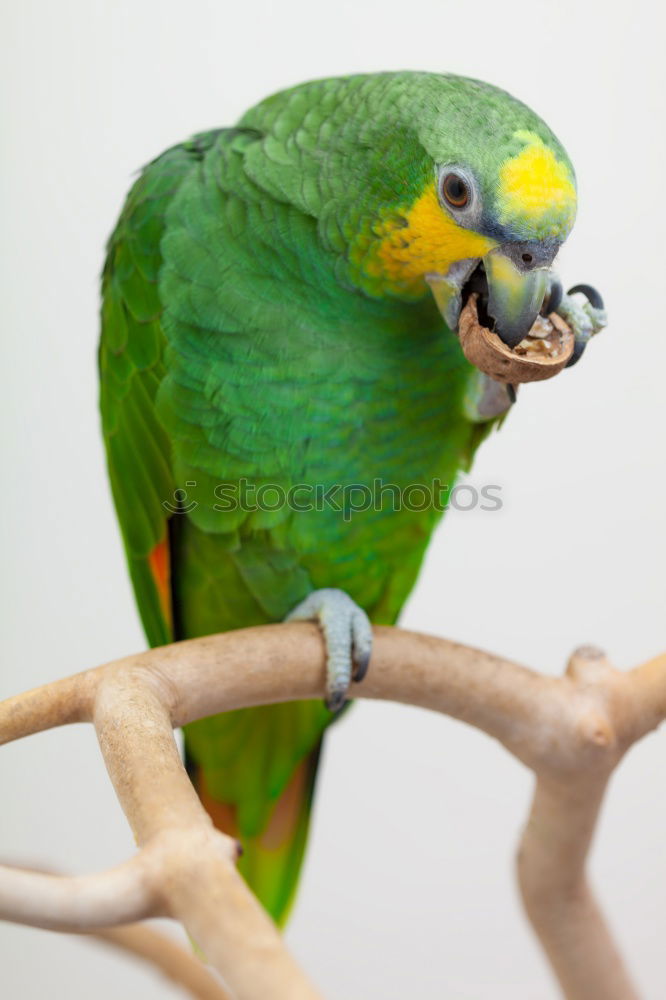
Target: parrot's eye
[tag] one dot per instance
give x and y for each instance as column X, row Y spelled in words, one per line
column 455, row 190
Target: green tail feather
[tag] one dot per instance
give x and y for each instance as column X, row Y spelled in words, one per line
column 272, row 870
column 271, row 859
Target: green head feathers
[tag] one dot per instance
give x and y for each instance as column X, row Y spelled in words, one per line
column 367, row 156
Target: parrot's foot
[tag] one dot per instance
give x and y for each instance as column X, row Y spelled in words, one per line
column 347, row 635
column 585, row 319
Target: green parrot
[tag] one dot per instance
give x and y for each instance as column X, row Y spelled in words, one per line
column 276, row 374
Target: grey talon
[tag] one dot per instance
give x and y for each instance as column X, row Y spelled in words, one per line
column 585, row 320
column 347, row 634
column 590, row 293
column 360, row 668
column 579, row 347
column 336, row 702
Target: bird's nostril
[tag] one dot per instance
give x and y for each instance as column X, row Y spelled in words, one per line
column 527, row 257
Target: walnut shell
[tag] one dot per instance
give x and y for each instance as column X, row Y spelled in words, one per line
column 489, row 354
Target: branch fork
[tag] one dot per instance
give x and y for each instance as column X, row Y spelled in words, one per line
column 571, row 731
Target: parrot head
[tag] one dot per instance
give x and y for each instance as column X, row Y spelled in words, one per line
column 482, row 196
column 424, row 182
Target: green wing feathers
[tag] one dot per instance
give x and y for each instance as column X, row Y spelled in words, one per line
column 131, row 360
column 186, row 583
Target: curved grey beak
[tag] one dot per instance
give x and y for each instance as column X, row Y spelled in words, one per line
column 518, row 282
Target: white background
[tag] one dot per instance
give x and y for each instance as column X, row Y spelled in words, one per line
column 408, row 888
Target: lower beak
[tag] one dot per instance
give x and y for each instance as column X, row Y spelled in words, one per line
column 515, row 296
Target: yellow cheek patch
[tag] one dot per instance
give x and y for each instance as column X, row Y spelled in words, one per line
column 429, row 242
column 536, row 189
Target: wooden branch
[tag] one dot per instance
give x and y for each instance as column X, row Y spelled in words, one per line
column 61, row 903
column 180, row 966
column 104, row 900
column 571, row 731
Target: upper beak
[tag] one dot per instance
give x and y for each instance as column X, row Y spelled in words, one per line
column 518, row 281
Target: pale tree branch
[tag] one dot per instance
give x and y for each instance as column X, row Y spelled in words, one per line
column 93, row 905
column 180, row 966
column 80, row 903
column 571, row 731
